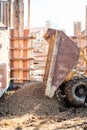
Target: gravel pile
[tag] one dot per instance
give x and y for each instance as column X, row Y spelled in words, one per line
column 28, row 99
column 28, row 108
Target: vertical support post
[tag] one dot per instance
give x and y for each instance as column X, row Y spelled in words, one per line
column 8, row 13
column 28, row 14
column 21, row 34
column 21, row 18
column 2, row 12
column 11, row 14
column 15, row 19
column 4, row 17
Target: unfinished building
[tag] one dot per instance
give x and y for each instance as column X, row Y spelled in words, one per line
column 18, row 44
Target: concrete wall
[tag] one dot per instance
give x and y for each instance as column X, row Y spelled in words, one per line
column 4, row 51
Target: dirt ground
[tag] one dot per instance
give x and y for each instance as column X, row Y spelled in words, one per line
column 27, row 108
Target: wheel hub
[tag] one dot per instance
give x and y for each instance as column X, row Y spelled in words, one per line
column 81, row 91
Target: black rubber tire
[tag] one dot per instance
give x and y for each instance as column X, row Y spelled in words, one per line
column 76, row 90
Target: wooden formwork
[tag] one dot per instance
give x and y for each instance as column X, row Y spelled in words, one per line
column 19, row 57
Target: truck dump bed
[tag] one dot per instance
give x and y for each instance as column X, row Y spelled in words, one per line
column 63, row 55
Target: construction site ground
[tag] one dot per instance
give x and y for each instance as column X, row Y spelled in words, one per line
column 28, row 108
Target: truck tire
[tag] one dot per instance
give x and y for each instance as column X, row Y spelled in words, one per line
column 76, row 90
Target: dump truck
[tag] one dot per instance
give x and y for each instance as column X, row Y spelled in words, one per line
column 61, row 68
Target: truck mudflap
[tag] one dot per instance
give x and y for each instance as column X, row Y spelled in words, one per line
column 63, row 55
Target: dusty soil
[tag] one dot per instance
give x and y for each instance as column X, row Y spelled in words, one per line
column 28, row 108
